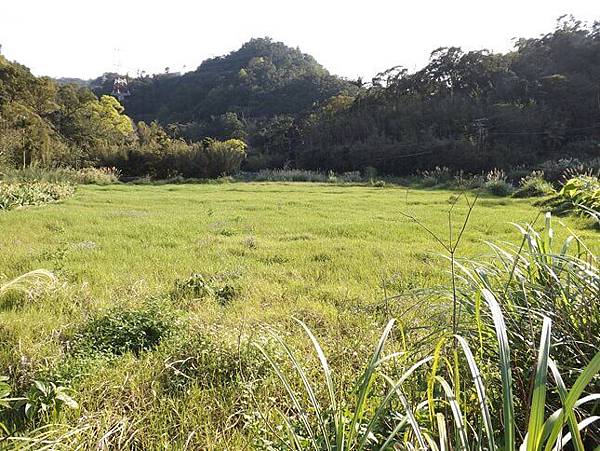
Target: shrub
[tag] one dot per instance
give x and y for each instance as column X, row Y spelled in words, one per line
column 499, row 188
column 370, row 173
column 351, row 177
column 14, row 195
column 121, row 330
column 208, row 159
column 290, row 175
column 437, row 176
column 224, row 157
column 565, row 168
column 580, row 195
column 96, row 176
column 534, row 185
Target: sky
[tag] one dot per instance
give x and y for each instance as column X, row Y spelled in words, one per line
column 83, row 39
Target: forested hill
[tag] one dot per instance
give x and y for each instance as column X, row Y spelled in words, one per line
column 470, row 111
column 262, row 79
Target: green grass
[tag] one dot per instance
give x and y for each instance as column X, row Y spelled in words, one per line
column 287, row 240
column 325, row 254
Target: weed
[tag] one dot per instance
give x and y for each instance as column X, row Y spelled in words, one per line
column 121, row 330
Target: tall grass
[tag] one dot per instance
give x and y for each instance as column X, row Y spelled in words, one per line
column 82, row 176
column 534, row 279
column 29, row 283
column 499, row 376
column 339, row 426
column 529, row 307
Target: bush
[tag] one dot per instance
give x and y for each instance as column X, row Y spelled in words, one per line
column 119, row 331
column 580, row 195
column 437, row 176
column 370, row 173
column 496, row 184
column 95, row 176
column 534, row 185
column 290, row 175
column 350, row 177
column 14, row 195
column 559, row 170
column 158, row 156
column 499, row 188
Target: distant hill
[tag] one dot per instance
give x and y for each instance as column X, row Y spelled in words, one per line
column 62, row 81
column 260, row 80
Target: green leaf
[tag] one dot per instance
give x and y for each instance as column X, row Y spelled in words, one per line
column 588, row 373
column 538, row 402
column 505, row 370
column 480, row 388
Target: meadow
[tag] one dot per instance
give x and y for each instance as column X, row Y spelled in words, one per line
column 220, row 265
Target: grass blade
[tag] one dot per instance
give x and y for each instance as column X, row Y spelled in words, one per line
column 456, row 413
column 571, row 420
column 505, row 370
column 409, row 413
column 366, row 381
column 480, row 388
column 394, row 387
column 288, row 388
column 538, row 402
column 582, row 381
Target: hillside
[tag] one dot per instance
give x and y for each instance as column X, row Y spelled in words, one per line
column 261, row 80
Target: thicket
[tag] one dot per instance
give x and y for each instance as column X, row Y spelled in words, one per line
column 68, row 129
column 14, row 195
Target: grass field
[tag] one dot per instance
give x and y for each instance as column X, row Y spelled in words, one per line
column 322, row 253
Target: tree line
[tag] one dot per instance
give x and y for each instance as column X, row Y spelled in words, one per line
column 44, row 123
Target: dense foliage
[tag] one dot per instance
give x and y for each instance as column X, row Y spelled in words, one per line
column 14, row 195
column 262, row 79
column 471, row 111
column 468, row 110
column 580, row 195
column 44, row 124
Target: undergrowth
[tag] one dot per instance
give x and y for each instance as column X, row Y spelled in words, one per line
column 22, row 194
